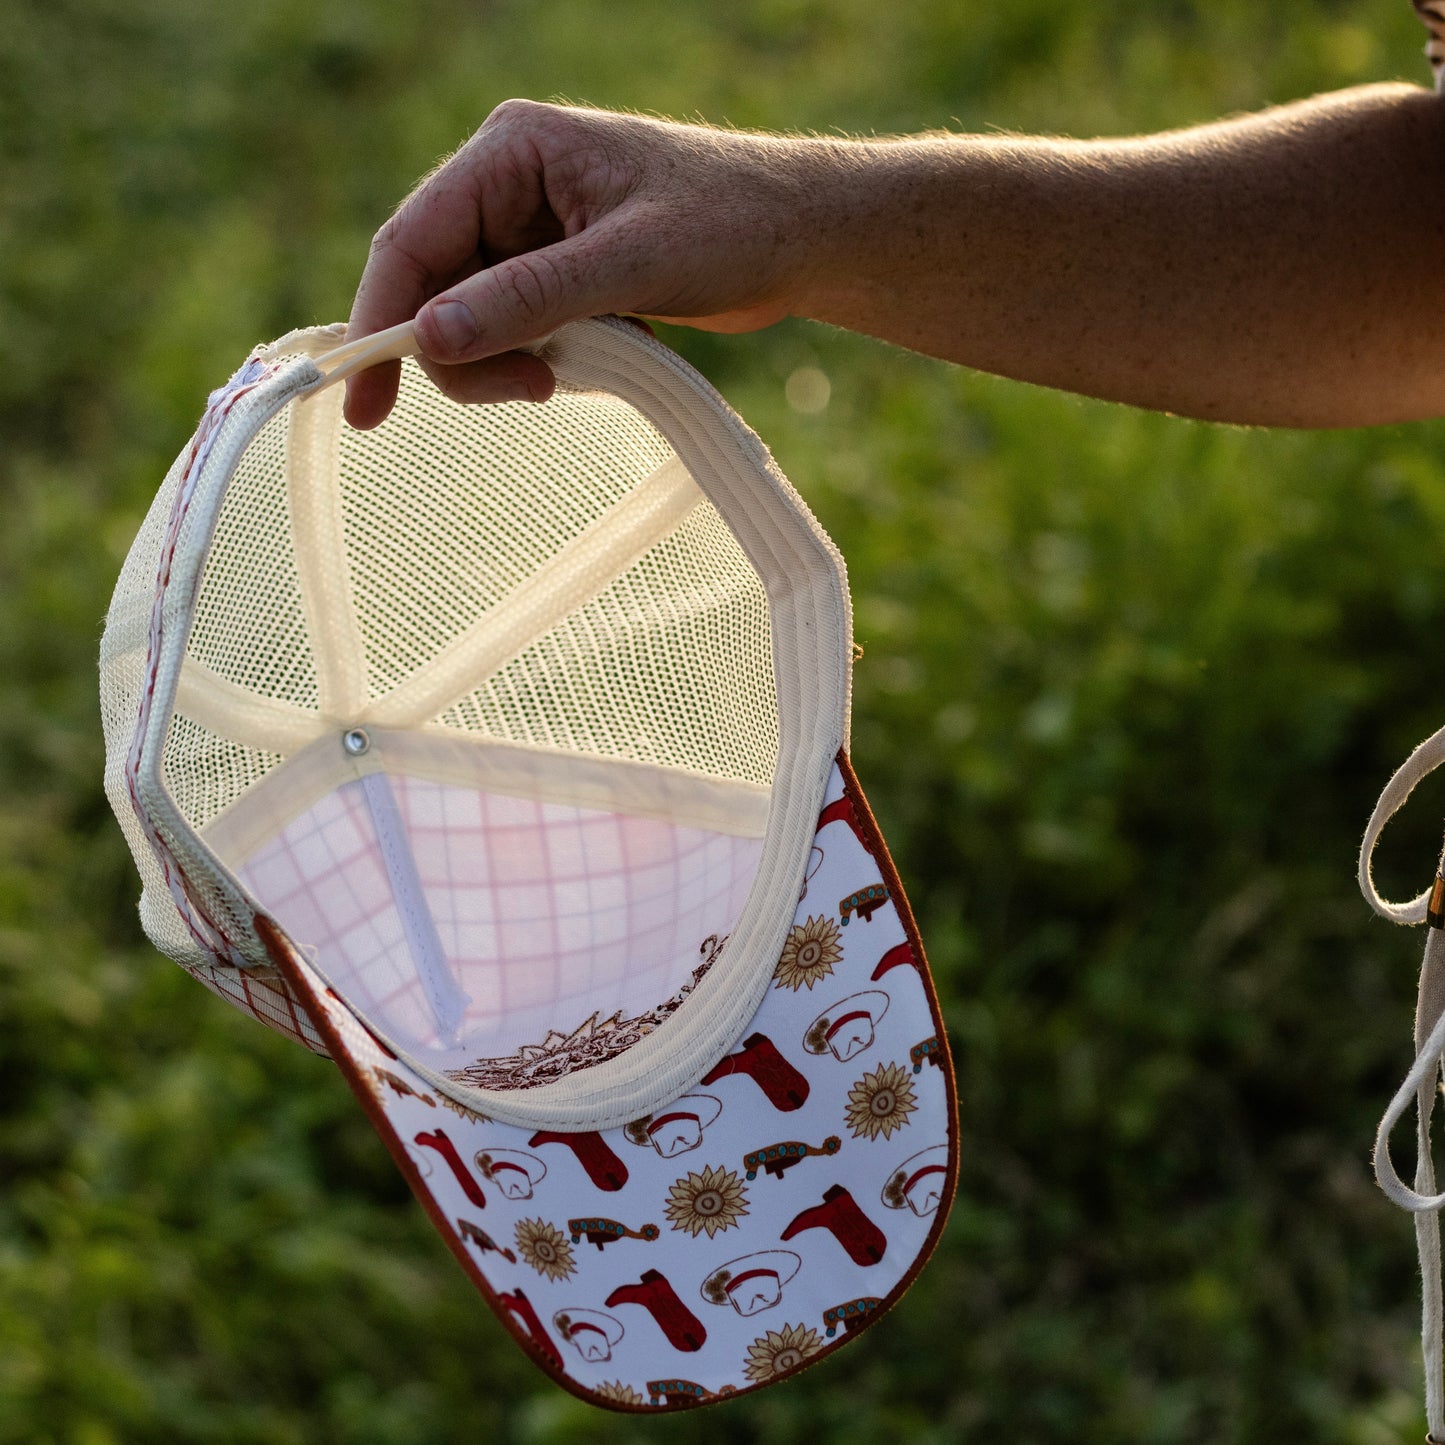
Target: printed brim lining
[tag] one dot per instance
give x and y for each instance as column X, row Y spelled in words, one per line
column 812, row 1177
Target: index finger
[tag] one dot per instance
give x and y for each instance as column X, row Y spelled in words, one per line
column 429, row 241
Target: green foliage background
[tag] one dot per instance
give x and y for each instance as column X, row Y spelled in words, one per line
column 1130, row 687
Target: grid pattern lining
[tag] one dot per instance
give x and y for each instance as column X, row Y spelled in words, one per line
column 548, row 914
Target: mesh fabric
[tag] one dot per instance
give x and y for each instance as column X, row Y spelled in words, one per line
column 345, row 566
column 122, row 679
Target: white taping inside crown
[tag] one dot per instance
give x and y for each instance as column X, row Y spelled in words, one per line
column 608, row 785
column 313, row 497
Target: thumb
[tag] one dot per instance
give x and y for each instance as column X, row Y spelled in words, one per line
column 522, row 299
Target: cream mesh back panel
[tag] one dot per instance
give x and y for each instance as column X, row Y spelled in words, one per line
column 493, row 495
column 686, row 597
column 551, row 664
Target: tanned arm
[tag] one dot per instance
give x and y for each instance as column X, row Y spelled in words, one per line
column 1278, row 268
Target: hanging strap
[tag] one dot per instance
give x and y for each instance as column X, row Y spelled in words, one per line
column 393, row 344
column 1423, row 1081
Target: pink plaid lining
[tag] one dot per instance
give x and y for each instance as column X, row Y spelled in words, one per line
column 268, row 999
column 546, row 913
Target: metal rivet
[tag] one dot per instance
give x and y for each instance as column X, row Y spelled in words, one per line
column 356, row 742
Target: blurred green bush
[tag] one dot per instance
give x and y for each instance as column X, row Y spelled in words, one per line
column 1130, row 685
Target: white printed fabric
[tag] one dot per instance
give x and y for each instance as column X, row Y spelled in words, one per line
column 738, row 1234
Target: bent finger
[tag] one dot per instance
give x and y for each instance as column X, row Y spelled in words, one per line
column 428, row 242
column 512, row 376
column 425, row 244
column 371, row 394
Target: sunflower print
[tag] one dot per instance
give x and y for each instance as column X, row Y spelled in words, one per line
column 881, row 1102
column 779, row 1351
column 809, row 954
column 711, row 1201
column 545, row 1248
column 619, row 1393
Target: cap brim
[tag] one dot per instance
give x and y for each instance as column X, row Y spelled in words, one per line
column 624, row 1233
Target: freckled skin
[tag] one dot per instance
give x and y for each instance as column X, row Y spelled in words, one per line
column 1274, row 269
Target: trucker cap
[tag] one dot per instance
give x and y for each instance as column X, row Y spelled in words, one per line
column 500, row 754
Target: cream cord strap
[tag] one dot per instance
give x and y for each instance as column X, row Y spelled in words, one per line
column 1423, row 1080
column 393, row 344
column 389, row 345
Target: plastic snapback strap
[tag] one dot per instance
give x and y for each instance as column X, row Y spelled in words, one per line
column 390, row 345
column 393, row 344
column 1423, row 1080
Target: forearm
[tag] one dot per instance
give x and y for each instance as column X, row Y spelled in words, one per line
column 1279, row 269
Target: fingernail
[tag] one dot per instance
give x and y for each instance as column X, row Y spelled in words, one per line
column 520, row 391
column 455, row 324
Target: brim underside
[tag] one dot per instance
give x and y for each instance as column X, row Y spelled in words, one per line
column 745, row 1230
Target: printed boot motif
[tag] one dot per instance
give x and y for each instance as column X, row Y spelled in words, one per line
column 786, row 1089
column 683, row 1329
column 603, row 1167
column 843, row 811
column 840, row 1215
column 438, row 1140
column 520, row 1308
column 900, row 956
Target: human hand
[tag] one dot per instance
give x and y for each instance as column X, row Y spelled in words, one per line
column 548, row 214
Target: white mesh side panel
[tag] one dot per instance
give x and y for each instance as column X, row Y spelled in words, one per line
column 205, row 772
column 249, row 626
column 448, row 507
column 672, row 664
column 122, row 670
